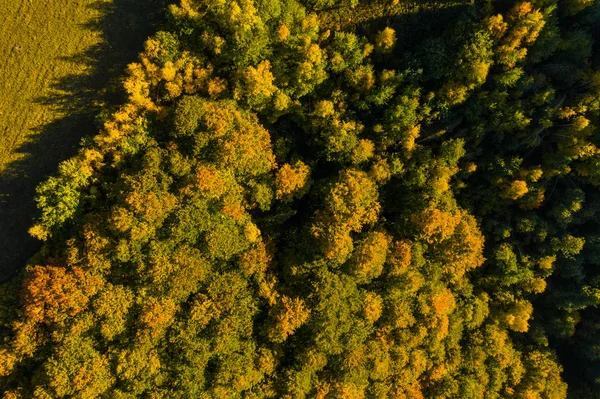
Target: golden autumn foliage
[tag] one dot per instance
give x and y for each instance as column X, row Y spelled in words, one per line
column 288, row 315
column 210, row 182
column 435, row 224
column 291, row 181
column 464, row 250
column 55, row 293
column 386, row 39
column 516, row 190
column 373, row 307
column 518, row 316
column 399, row 258
column 522, row 28
column 255, row 260
column 259, row 80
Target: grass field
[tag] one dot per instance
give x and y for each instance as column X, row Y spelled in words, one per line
column 60, row 62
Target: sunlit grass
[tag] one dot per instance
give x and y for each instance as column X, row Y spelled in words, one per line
column 40, row 45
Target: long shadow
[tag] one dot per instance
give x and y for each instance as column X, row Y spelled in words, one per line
column 124, row 26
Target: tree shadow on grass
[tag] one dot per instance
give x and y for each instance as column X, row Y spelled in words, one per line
column 124, row 26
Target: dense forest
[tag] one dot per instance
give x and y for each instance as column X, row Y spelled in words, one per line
column 328, row 199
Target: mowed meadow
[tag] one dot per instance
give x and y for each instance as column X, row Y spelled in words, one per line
column 60, row 62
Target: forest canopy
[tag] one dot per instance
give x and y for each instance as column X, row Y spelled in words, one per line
column 328, row 199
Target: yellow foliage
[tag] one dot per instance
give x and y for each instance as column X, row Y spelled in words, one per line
column 518, row 316
column 283, row 32
column 251, row 232
column 438, row 372
column 186, row 9
column 203, row 310
column 372, row 307
column 547, row 262
column 411, row 135
column 526, row 25
column 350, row 203
column 112, row 306
column 386, row 39
column 356, row 357
column 435, row 224
column 314, row 54
column 565, row 113
column 497, row 26
column 288, row 315
column 480, row 72
column 520, row 10
column 216, row 86
column 464, row 250
column 51, row 294
column 353, row 199
column 138, row 87
column 401, row 313
column 26, row 339
column 291, row 180
column 440, row 178
column 470, row 167
column 580, row 122
column 248, row 149
column 443, row 302
column 362, row 78
column 175, row 89
column 443, row 326
column 209, row 181
column 255, row 260
column 322, row 391
column 399, row 258
column 11, row 395
column 311, row 22
column 7, row 362
column 380, row 171
column 454, row 93
column 363, row 152
column 150, row 206
column 534, row 174
column 266, row 289
column 534, row 200
column 281, row 101
column 335, row 239
column 414, row 391
column 95, row 246
column 235, row 210
column 158, row 314
column 39, row 231
column 152, row 71
column 536, row 285
column 516, row 190
column 313, row 360
column 324, row 109
column 259, row 81
column 169, row 71
column 349, row 390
